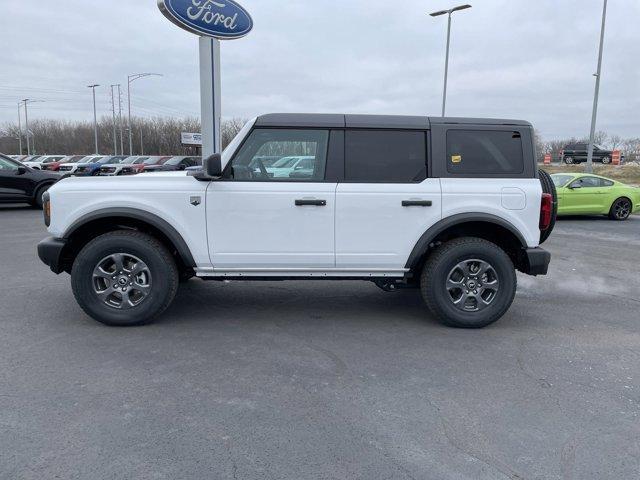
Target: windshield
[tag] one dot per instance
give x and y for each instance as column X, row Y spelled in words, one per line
column 561, row 180
column 235, row 143
column 174, row 161
column 156, row 160
column 96, row 160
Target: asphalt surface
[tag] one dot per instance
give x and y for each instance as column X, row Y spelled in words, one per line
column 333, row 380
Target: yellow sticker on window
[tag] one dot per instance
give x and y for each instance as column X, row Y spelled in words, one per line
column 456, row 158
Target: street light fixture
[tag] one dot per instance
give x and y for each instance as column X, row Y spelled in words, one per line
column 130, row 80
column 95, row 116
column 446, row 62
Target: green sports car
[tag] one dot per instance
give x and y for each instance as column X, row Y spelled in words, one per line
column 582, row 194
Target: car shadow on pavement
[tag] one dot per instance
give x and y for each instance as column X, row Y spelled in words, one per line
column 295, row 301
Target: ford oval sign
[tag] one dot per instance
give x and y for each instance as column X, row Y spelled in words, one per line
column 223, row 19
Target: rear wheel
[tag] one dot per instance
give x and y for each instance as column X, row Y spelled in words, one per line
column 468, row 283
column 549, row 187
column 568, row 160
column 621, row 209
column 124, row 278
column 606, row 160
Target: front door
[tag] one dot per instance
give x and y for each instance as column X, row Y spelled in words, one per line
column 262, row 218
column 13, row 184
column 585, row 196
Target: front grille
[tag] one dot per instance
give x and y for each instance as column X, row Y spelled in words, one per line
column 65, row 169
column 108, row 170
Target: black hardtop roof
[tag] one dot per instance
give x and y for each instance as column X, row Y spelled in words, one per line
column 334, row 120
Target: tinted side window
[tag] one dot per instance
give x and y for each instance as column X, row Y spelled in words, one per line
column 375, row 156
column 484, row 152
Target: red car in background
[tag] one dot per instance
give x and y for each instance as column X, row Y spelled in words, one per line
column 54, row 166
column 153, row 162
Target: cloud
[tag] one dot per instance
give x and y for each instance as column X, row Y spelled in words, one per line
column 509, row 58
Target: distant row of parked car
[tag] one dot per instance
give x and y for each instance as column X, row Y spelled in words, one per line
column 105, row 165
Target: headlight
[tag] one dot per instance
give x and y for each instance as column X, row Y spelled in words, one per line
column 46, row 208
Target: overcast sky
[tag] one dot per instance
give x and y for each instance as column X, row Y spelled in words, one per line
column 510, row 58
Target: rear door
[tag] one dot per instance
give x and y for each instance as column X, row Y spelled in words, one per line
column 386, row 201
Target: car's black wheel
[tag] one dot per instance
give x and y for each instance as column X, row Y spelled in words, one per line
column 549, row 187
column 124, row 278
column 468, row 283
column 606, row 160
column 621, row 209
column 568, row 160
column 38, row 201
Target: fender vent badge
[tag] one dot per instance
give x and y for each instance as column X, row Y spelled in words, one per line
column 195, row 201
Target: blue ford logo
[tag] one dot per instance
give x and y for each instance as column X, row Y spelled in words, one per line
column 223, row 19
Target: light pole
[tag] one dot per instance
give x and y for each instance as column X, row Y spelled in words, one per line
column 27, row 101
column 20, row 126
column 130, row 80
column 95, row 116
column 446, row 62
column 120, row 120
column 594, row 115
column 113, row 112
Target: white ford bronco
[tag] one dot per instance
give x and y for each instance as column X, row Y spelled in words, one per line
column 450, row 206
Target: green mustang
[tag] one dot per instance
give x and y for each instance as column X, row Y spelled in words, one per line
column 581, row 194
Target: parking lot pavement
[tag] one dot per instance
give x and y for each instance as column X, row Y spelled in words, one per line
column 326, row 380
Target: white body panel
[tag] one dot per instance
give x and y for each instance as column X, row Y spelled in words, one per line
column 258, row 225
column 373, row 229
column 165, row 195
column 515, row 200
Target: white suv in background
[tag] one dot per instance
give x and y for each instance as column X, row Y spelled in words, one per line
column 452, row 207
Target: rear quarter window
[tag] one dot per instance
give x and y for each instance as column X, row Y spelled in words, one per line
column 484, row 152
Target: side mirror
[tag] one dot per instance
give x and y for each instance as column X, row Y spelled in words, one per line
column 22, row 170
column 213, row 166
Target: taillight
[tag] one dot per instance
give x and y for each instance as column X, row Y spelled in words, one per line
column 546, row 210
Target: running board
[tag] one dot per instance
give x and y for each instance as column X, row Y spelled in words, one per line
column 301, row 272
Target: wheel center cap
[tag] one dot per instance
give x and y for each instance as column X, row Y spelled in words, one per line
column 123, row 281
column 471, row 284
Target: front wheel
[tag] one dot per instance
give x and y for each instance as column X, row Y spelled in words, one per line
column 569, row 160
column 468, row 283
column 124, row 278
column 606, row 160
column 621, row 209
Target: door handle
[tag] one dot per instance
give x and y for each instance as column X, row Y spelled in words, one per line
column 417, row 203
column 311, row 203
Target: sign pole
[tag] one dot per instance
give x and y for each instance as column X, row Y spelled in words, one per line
column 210, row 95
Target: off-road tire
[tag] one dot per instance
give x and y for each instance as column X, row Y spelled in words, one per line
column 153, row 253
column 549, row 187
column 437, row 269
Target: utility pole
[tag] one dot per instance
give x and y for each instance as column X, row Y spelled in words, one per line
column 20, row 127
column 594, row 115
column 26, row 124
column 446, row 60
column 120, row 120
column 113, row 112
column 95, row 116
column 130, row 80
column 26, row 101
column 141, row 142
